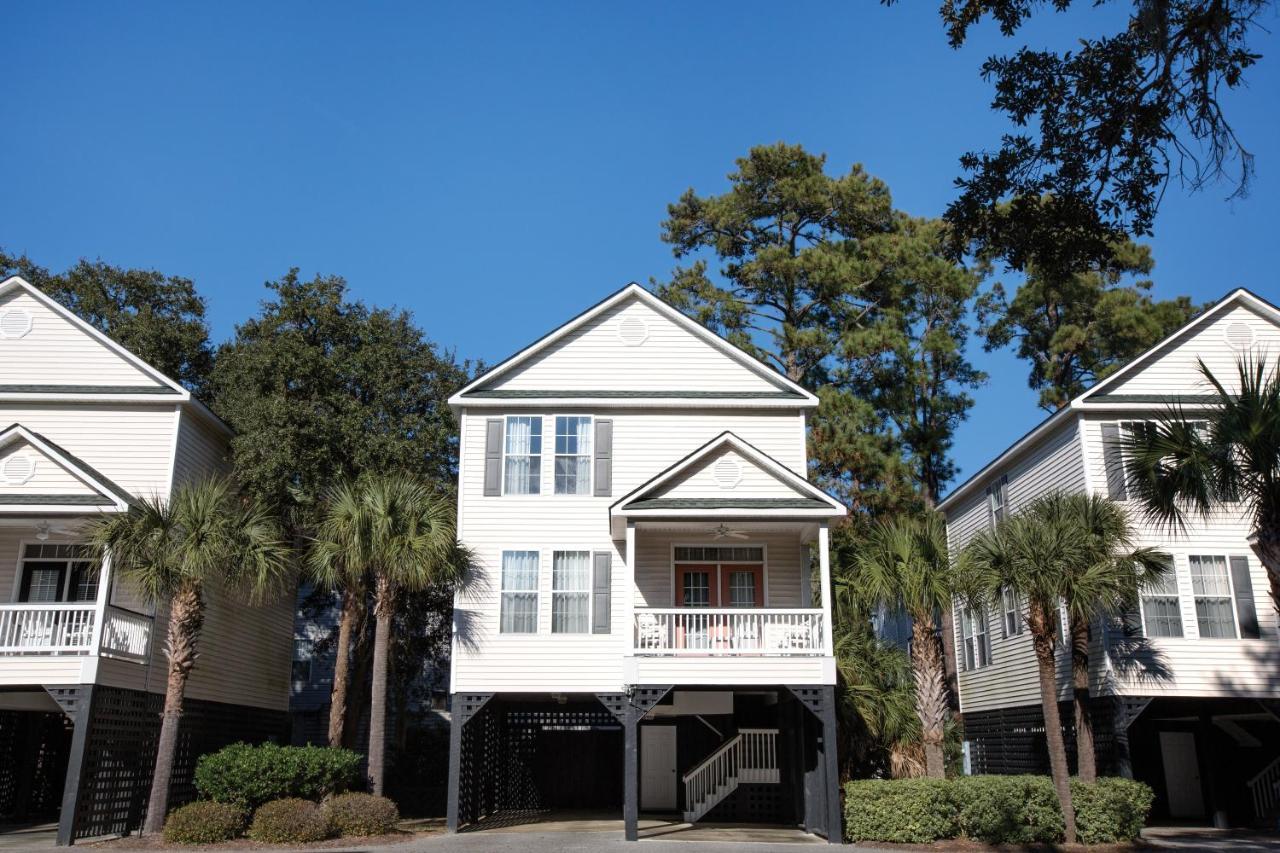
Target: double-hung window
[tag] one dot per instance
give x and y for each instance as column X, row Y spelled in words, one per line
column 1161, row 607
column 522, row 455
column 573, row 455
column 997, row 504
column 571, row 592
column 57, row 573
column 1211, row 584
column 1010, row 611
column 519, row 593
column 973, row 630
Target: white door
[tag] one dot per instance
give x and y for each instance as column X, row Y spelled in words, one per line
column 1181, row 774
column 658, row 768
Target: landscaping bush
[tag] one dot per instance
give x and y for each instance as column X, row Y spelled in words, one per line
column 248, row 776
column 1111, row 809
column 1007, row 809
column 203, row 823
column 993, row 809
column 289, row 821
column 915, row 811
column 360, row 814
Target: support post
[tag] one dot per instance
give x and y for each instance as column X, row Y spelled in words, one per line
column 631, row 779
column 629, row 647
column 463, row 707
column 71, row 788
column 824, row 566
column 831, row 778
column 100, row 605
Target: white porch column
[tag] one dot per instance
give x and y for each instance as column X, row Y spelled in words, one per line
column 631, row 588
column 824, row 567
column 100, row 606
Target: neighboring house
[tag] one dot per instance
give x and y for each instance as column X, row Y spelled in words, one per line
column 87, row 427
column 648, row 625
column 1188, row 688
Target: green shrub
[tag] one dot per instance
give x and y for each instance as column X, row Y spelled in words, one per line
column 360, row 814
column 289, row 821
column 915, row 811
column 1111, row 809
column 248, row 776
column 203, row 823
column 1007, row 809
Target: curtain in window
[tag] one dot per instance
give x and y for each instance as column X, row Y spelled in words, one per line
column 519, row 592
column 570, row 592
column 1161, row 613
column 573, row 455
column 1212, row 588
column 523, row 464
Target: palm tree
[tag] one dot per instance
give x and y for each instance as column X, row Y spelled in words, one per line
column 875, row 703
column 205, row 534
column 1032, row 555
column 338, row 543
column 1104, row 582
column 403, row 535
column 903, row 566
column 1228, row 453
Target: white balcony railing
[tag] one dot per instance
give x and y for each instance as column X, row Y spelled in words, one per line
column 64, row 629
column 68, row 629
column 728, row 631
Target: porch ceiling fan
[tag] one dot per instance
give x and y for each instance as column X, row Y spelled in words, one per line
column 726, row 532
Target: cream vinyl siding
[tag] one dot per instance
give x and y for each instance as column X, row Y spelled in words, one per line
column 56, row 352
column 50, row 477
column 1172, row 368
column 200, row 449
column 737, row 671
column 707, row 480
column 594, row 358
column 784, row 557
column 645, row 442
column 1010, row 679
column 129, row 444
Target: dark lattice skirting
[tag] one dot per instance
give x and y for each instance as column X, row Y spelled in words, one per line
column 120, row 753
column 1012, row 740
column 33, row 764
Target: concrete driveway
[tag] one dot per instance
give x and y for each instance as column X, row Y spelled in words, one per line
column 32, row 837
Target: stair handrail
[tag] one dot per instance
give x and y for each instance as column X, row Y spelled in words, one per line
column 1265, row 795
column 716, row 753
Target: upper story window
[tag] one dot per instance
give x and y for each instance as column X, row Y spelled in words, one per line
column 1162, row 608
column 1211, row 585
column 997, row 500
column 519, row 605
column 522, row 455
column 571, row 592
column 977, row 643
column 1011, row 612
column 573, row 455
column 57, row 573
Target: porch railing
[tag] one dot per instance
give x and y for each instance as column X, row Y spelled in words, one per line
column 68, row 629
column 728, row 631
column 65, row 629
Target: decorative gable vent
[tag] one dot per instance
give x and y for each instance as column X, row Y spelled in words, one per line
column 17, row 469
column 14, row 323
column 1239, row 335
column 727, row 473
column 633, row 331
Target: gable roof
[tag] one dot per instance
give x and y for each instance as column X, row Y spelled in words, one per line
column 108, row 493
column 1095, row 398
column 806, row 499
column 788, row 393
column 164, row 387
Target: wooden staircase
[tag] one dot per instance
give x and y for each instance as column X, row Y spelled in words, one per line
column 749, row 757
column 1265, row 788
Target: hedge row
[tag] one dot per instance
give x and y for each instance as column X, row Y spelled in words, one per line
column 247, row 776
column 284, row 821
column 993, row 809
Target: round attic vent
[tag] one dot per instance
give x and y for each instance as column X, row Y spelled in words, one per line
column 633, row 331
column 14, row 323
column 17, row 470
column 727, row 472
column 1239, row 335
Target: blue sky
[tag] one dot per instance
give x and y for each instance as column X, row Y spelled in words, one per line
column 496, row 168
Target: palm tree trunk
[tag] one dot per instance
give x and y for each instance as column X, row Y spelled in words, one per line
column 1086, row 759
column 928, row 669
column 186, row 616
column 1042, row 639
column 342, row 668
column 1266, row 544
column 384, row 604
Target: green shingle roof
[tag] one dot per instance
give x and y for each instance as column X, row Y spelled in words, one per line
column 729, row 503
column 86, row 389
column 41, row 500
column 523, row 394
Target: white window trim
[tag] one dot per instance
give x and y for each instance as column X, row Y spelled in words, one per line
column 999, row 484
column 1006, row 610
column 977, row 617
column 1231, row 597
column 591, row 455
column 542, row 453
column 720, row 564
column 1143, row 595
column 536, row 592
column 590, row 588
column 20, row 570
